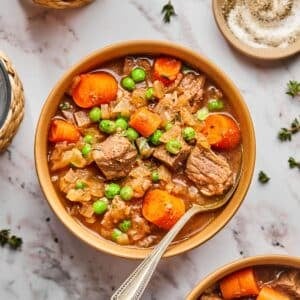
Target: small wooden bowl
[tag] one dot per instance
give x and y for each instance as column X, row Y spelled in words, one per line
column 62, row 4
column 256, row 53
column 95, row 60
column 279, row 260
column 11, row 102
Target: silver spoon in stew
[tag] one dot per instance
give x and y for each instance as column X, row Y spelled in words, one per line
column 134, row 286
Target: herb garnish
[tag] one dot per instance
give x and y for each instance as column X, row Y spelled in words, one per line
column 293, row 163
column 293, row 88
column 13, row 241
column 168, row 11
column 263, row 177
column 285, row 134
column 65, row 105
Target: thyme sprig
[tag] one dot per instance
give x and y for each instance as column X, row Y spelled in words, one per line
column 263, row 177
column 293, row 88
column 13, row 241
column 293, row 163
column 285, row 134
column 168, row 11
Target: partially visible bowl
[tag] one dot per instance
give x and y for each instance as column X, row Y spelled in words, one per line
column 132, row 48
column 210, row 280
column 256, row 53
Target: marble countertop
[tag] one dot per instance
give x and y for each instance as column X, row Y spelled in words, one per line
column 54, row 264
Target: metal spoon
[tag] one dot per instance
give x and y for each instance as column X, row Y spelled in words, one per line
column 134, row 286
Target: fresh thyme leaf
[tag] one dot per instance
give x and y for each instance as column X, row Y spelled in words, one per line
column 293, row 88
column 168, row 11
column 65, row 105
column 285, row 134
column 13, row 241
column 4, row 236
column 263, row 177
column 293, row 163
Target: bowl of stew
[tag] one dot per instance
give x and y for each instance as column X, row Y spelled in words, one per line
column 135, row 134
column 272, row 277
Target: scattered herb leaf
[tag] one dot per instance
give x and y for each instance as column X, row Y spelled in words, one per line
column 65, row 105
column 293, row 163
column 293, row 88
column 168, row 11
column 263, row 177
column 285, row 134
column 13, row 241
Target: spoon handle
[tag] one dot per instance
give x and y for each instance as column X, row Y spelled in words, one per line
column 134, row 286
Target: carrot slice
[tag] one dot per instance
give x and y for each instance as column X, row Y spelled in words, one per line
column 221, row 131
column 268, row 293
column 93, row 89
column 239, row 284
column 162, row 208
column 166, row 69
column 145, row 121
column 61, row 131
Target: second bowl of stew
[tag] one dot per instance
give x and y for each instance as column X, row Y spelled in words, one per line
column 273, row 277
column 135, row 134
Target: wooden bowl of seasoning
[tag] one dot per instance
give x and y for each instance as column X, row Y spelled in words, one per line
column 264, row 266
column 257, row 29
column 62, row 4
column 11, row 102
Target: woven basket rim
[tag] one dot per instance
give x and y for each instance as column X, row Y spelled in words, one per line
column 8, row 93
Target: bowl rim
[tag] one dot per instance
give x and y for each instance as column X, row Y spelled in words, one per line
column 267, row 54
column 130, row 48
column 258, row 260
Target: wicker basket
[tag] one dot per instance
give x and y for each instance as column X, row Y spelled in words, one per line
column 60, row 4
column 16, row 108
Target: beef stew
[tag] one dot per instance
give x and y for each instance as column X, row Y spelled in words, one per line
column 136, row 142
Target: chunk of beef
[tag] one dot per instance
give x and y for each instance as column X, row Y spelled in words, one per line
column 172, row 161
column 289, row 283
column 210, row 172
column 114, row 156
column 192, row 85
column 82, row 118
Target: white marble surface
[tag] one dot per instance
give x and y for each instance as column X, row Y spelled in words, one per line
column 43, row 44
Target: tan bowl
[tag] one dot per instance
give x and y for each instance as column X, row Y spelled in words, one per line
column 280, row 260
column 95, row 60
column 256, row 53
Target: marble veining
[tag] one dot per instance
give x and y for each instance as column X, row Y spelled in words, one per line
column 53, row 264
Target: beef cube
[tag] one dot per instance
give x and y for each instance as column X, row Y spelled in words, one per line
column 115, row 156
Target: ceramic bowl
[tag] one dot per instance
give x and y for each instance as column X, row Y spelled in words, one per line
column 95, row 60
column 279, row 260
column 255, row 53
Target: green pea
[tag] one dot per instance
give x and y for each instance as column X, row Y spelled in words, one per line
column 95, row 114
column 107, row 126
column 88, row 139
column 86, row 149
column 138, row 74
column 121, row 123
column 154, row 138
column 173, row 146
column 131, row 134
column 168, row 126
column 215, row 105
column 126, row 192
column 112, row 190
column 155, row 176
column 202, row 113
column 125, row 225
column 80, row 185
column 116, row 233
column 188, row 133
column 100, row 206
column 149, row 95
column 128, row 84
